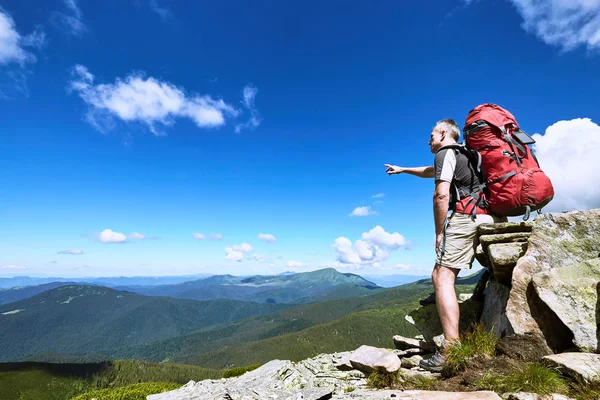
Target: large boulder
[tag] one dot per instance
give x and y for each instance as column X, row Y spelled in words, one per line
column 558, row 240
column 572, row 293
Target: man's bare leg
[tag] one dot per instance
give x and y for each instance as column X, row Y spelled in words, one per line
column 447, row 305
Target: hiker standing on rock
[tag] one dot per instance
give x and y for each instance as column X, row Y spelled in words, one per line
column 456, row 181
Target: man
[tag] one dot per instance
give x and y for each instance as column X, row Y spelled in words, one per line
column 455, row 236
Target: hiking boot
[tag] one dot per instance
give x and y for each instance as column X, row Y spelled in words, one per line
column 429, row 300
column 435, row 363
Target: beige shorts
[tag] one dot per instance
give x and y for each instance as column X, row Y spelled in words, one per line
column 461, row 239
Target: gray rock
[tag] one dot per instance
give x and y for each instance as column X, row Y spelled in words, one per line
column 580, row 366
column 313, row 379
column 493, row 317
column 504, row 227
column 404, row 343
column 557, row 240
column 487, row 240
column 365, row 394
column 573, row 287
column 427, row 321
column 410, row 352
column 503, row 257
column 369, row 358
column 410, row 362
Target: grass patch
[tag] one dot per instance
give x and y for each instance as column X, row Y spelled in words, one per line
column 474, row 342
column 380, row 379
column 139, row 391
column 535, row 378
column 230, row 373
column 585, row 391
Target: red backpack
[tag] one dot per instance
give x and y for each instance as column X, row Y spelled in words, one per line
column 515, row 183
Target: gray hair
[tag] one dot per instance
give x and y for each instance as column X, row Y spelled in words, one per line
column 450, row 126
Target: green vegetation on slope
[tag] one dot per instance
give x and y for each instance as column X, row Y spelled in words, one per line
column 37, row 381
column 78, row 320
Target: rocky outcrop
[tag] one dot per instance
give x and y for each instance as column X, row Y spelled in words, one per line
column 562, row 247
column 317, row 378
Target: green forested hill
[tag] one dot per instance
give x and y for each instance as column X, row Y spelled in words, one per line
column 79, row 319
column 306, row 287
column 19, row 293
column 44, row 381
column 295, row 333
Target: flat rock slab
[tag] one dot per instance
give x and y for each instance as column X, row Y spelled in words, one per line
column 365, row 394
column 582, row 366
column 369, row 358
column 404, row 343
column 486, row 240
column 504, row 227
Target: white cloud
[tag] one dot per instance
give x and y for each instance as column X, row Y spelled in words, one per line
column 371, row 249
column 12, row 44
column 73, row 252
column 149, row 101
column 378, row 195
column 267, row 237
column 294, row 264
column 564, row 23
column 164, row 12
column 380, row 237
column 212, row 236
column 72, row 20
column 12, row 267
column 109, row 236
column 244, row 248
column 136, row 235
column 249, row 94
column 566, row 153
column 362, row 212
column 236, row 252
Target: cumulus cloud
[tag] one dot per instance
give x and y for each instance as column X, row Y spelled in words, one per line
column 72, row 19
column 140, row 236
column 236, row 252
column 566, row 153
column 378, row 196
column 12, row 267
column 294, row 264
column 212, row 236
column 13, row 45
column 73, row 252
column 145, row 100
column 109, row 236
column 564, row 23
column 267, row 237
column 370, row 250
column 362, row 212
column 249, row 94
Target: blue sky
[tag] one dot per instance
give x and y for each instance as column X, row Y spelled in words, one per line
column 157, row 137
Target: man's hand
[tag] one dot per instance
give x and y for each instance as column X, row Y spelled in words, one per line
column 393, row 169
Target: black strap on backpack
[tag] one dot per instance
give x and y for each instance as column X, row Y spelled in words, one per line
column 476, row 192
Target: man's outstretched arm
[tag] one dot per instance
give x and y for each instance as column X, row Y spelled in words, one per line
column 421, row 172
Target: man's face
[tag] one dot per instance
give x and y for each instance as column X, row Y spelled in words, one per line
column 435, row 140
